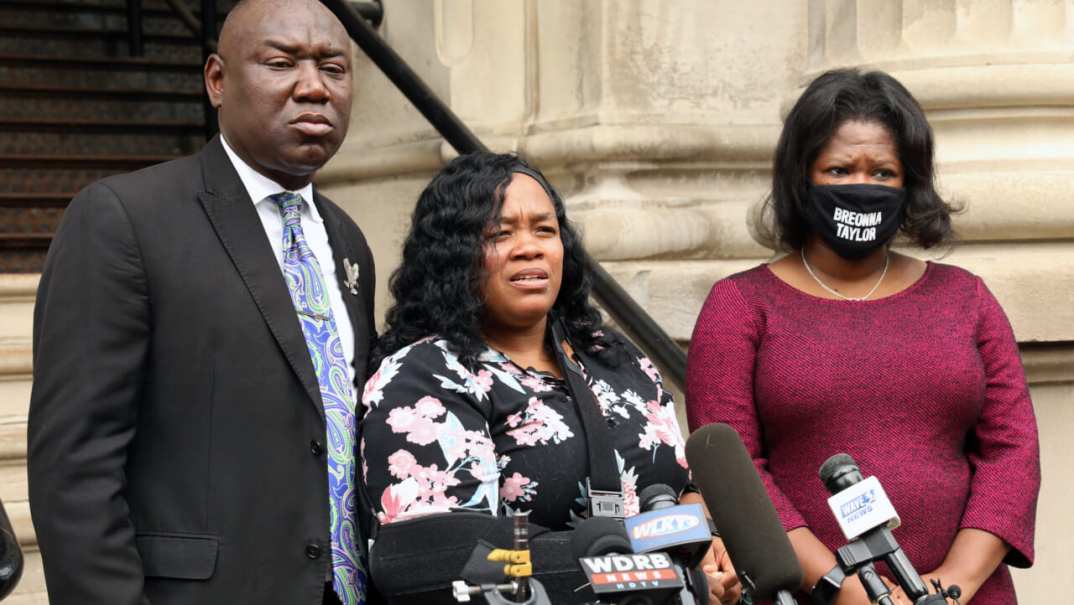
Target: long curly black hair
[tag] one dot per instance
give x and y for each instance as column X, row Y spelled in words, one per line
column 437, row 288
column 832, row 99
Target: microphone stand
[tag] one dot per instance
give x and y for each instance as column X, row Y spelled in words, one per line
column 859, row 555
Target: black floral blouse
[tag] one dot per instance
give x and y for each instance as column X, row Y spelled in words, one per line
column 438, row 438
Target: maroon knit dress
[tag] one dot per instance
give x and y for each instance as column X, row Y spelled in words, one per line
column 924, row 388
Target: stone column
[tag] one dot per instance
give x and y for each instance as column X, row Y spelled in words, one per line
column 997, row 82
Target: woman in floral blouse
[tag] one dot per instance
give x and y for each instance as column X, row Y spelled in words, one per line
column 470, row 410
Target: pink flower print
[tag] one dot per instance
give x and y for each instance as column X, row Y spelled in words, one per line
column 535, row 384
column 429, row 407
column 649, row 369
column 417, row 421
column 629, row 478
column 422, row 432
column 482, row 382
column 479, row 445
column 517, row 487
column 433, row 483
column 374, row 387
column 392, row 506
column 538, row 424
column 401, row 419
column 418, row 429
column 400, row 463
column 662, row 428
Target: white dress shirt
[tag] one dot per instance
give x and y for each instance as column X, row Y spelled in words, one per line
column 260, row 188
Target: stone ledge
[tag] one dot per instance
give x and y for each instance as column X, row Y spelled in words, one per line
column 382, row 162
column 737, row 144
column 17, row 287
column 975, row 81
column 19, row 513
column 1048, row 363
column 16, row 357
column 12, row 438
column 1034, row 282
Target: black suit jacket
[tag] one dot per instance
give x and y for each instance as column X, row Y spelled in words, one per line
column 175, row 419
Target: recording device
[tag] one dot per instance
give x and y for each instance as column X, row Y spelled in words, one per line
column 866, row 516
column 618, row 575
column 747, row 520
column 10, row 556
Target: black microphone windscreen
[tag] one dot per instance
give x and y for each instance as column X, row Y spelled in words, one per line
column 657, row 496
column 839, row 472
column 832, row 465
column 745, row 516
column 599, row 536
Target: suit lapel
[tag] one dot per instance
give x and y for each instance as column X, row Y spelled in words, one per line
column 346, row 262
column 235, row 220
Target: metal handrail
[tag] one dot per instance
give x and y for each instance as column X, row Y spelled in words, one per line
column 626, row 311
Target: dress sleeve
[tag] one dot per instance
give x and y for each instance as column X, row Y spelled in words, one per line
column 1003, row 447
column 425, row 444
column 719, row 381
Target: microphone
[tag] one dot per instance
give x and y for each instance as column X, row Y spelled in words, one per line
column 866, row 516
column 618, row 575
column 10, row 556
column 747, row 520
column 664, row 524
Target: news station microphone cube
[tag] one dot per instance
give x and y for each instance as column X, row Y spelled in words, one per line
column 862, row 507
column 668, row 527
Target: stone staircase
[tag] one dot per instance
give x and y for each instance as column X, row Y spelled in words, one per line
column 74, row 107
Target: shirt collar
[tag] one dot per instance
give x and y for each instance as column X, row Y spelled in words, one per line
column 260, row 187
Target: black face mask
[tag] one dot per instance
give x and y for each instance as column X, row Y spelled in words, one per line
column 855, row 220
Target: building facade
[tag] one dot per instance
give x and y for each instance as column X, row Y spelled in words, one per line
column 657, row 121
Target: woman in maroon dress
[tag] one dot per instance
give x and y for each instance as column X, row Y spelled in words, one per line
column 843, row 345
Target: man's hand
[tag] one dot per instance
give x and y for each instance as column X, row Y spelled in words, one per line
column 724, row 586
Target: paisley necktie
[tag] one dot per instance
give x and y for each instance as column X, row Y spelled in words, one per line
column 309, row 293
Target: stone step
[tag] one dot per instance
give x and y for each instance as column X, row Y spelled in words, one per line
column 22, row 261
column 32, row 136
column 84, row 103
column 105, row 6
column 16, row 222
column 35, row 200
column 53, row 43
column 110, row 73
column 150, row 8
column 50, row 173
column 16, row 16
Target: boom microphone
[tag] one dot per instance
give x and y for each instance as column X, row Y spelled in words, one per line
column 747, row 520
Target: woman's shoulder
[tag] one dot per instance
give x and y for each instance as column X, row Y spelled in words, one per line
column 422, row 365
column 748, row 284
column 943, row 280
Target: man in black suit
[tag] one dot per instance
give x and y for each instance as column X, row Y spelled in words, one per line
column 177, row 431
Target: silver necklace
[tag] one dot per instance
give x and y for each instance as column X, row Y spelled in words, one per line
column 887, row 263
